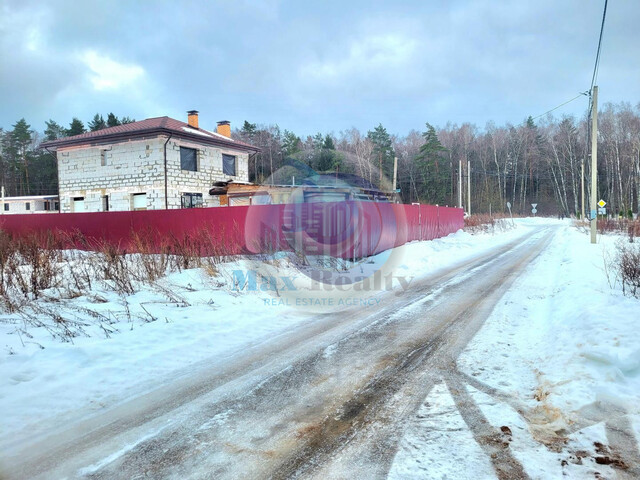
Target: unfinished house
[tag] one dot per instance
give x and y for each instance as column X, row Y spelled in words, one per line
column 158, row 163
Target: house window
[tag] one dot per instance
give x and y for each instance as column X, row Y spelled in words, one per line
column 191, row 200
column 139, row 201
column 105, row 203
column 189, row 159
column 6, row 207
column 27, row 206
column 46, row 205
column 229, row 164
column 78, row 204
column 56, row 206
column 103, row 157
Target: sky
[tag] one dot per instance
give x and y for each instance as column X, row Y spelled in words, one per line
column 313, row 66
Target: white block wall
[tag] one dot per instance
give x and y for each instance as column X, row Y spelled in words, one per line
column 20, row 207
column 138, row 167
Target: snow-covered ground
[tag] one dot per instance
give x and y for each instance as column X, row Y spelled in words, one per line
column 561, row 339
column 558, row 360
column 198, row 316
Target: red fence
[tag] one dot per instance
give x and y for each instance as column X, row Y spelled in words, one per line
column 344, row 229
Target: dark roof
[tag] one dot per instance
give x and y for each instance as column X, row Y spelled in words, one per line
column 150, row 126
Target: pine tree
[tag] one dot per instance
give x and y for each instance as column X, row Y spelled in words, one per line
column 54, row 131
column 112, row 120
column 291, row 144
column 248, row 129
column 97, row 123
column 382, row 149
column 125, row 120
column 318, row 141
column 328, row 143
column 76, row 127
column 435, row 178
column 326, row 159
column 20, row 141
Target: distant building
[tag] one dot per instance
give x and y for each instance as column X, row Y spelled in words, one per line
column 29, row 204
column 333, row 187
column 148, row 165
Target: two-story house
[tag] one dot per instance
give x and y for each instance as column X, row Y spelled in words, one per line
column 157, row 163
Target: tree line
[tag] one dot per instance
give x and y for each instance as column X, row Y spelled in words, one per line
column 27, row 170
column 533, row 162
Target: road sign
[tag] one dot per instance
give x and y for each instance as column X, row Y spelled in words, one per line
column 534, row 211
column 602, row 203
column 509, row 205
column 534, row 205
column 602, row 211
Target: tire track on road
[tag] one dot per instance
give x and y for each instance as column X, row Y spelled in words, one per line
column 286, row 409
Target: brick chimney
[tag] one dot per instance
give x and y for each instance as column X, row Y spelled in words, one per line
column 224, row 128
column 192, row 118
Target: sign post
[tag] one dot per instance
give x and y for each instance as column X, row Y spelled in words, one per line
column 601, row 209
column 534, row 210
column 509, row 207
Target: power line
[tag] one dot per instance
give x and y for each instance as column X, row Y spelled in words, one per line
column 594, row 77
column 597, row 64
column 561, row 105
column 596, row 68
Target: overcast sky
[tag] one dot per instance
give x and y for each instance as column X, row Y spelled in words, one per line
column 313, row 66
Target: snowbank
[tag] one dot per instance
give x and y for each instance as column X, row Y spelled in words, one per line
column 557, row 363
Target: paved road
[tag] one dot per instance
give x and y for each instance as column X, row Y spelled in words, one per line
column 326, row 400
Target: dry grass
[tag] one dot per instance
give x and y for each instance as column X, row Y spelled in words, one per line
column 41, row 273
column 619, row 226
column 486, row 223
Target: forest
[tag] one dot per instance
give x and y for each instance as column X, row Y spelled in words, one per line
column 538, row 161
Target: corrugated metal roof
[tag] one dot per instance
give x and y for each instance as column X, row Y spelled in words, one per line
column 149, row 126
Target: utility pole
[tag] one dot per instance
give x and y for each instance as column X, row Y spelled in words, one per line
column 460, row 184
column 594, row 163
column 395, row 173
column 469, row 187
column 582, row 203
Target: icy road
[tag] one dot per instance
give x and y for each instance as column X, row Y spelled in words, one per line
column 340, row 396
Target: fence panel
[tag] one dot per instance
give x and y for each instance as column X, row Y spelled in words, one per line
column 337, row 229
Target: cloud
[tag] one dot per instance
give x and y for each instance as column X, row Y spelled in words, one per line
column 107, row 74
column 370, row 55
column 311, row 66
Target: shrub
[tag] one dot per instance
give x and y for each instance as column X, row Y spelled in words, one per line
column 622, row 225
column 627, row 267
column 485, row 223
